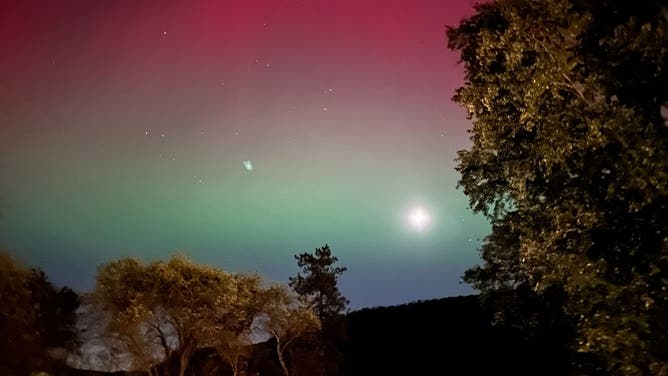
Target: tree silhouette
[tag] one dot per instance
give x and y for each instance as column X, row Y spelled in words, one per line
column 570, row 163
column 36, row 319
column 319, row 283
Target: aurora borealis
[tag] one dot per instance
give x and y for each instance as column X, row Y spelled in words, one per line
column 127, row 128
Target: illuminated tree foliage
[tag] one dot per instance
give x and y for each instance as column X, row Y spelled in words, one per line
column 166, row 311
column 287, row 320
column 162, row 313
column 569, row 161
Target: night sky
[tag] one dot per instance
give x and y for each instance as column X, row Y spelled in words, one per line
column 240, row 133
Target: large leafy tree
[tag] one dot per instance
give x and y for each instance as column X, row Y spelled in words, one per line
column 569, row 161
column 163, row 312
column 318, row 284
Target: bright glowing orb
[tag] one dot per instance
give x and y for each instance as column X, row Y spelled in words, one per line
column 248, row 165
column 419, row 219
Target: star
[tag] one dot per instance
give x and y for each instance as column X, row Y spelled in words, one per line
column 164, row 33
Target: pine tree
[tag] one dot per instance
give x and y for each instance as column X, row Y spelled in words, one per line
column 319, row 283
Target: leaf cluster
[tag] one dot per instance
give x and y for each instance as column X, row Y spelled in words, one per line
column 569, row 161
column 163, row 312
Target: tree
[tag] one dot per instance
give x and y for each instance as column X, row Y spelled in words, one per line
column 287, row 320
column 569, row 161
column 165, row 311
column 318, row 286
column 235, row 349
column 36, row 319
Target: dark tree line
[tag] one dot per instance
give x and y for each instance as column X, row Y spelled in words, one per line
column 37, row 320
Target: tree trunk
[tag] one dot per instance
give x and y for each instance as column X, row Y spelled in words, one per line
column 235, row 367
column 279, row 352
column 183, row 363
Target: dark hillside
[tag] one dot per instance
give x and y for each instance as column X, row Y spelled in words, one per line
column 443, row 336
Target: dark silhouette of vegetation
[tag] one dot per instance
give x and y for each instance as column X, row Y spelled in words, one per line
column 570, row 164
column 447, row 336
column 36, row 320
column 319, row 284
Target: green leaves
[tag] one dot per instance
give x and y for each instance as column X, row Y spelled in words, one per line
column 173, row 307
column 168, row 310
column 569, row 156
